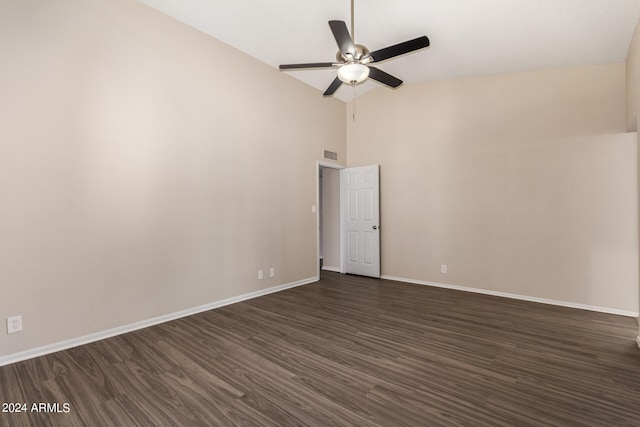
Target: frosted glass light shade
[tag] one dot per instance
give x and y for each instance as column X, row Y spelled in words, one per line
column 353, row 73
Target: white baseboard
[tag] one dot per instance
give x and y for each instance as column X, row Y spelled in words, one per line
column 334, row 269
column 86, row 339
column 515, row 296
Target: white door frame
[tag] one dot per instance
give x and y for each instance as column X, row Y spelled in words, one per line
column 319, row 165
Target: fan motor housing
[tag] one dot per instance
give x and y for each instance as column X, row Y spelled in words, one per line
column 362, row 55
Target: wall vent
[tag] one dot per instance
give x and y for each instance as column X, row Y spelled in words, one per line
column 330, row 155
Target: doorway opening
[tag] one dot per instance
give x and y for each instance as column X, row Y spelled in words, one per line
column 328, row 198
column 348, row 219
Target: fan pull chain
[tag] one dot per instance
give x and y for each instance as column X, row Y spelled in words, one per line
column 353, row 110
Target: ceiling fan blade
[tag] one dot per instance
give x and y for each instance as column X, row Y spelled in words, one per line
column 305, row 66
column 341, row 34
column 384, row 78
column 400, row 49
column 333, row 87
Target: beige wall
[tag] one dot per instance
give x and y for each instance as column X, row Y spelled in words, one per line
column 633, row 90
column 331, row 218
column 521, row 183
column 145, row 168
column 633, row 80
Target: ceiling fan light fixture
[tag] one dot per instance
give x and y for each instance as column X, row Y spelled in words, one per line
column 353, row 73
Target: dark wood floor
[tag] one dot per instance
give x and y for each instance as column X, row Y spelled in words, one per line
column 347, row 351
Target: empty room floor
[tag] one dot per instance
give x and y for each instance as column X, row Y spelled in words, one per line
column 347, row 351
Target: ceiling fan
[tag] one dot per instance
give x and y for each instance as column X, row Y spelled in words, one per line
column 353, row 60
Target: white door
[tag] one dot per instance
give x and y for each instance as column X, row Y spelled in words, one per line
column 360, row 211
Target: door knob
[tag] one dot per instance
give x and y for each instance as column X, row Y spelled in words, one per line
column 375, row 227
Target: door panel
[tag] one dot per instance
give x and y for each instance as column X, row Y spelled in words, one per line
column 353, row 247
column 360, row 188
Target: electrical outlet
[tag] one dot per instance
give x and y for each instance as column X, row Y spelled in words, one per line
column 260, row 274
column 14, row 324
column 272, row 272
column 443, row 268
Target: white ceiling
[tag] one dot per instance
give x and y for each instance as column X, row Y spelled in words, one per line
column 468, row 37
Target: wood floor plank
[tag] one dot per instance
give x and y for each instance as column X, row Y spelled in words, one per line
column 347, row 350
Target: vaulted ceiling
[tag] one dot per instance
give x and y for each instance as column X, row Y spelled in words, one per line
column 468, row 37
